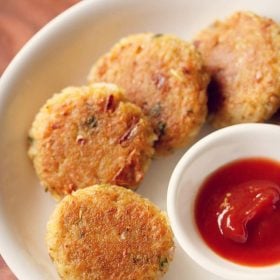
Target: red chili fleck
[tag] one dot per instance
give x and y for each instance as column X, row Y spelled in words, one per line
column 81, row 140
column 129, row 174
column 130, row 132
column 186, row 71
column 197, row 43
column 110, row 103
column 56, row 126
column 71, row 188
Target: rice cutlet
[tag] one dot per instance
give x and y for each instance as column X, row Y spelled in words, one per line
column 242, row 55
column 164, row 75
column 90, row 135
column 109, row 232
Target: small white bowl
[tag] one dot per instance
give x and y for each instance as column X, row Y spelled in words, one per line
column 210, row 153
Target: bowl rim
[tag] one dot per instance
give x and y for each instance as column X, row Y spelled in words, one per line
column 238, row 271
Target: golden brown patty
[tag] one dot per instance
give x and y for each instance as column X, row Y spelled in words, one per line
column 90, row 135
column 242, row 54
column 108, row 232
column 165, row 77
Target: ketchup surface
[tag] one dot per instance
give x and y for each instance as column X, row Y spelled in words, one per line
column 237, row 211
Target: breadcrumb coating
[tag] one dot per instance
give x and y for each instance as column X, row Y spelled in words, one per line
column 242, row 55
column 90, row 135
column 164, row 75
column 109, row 232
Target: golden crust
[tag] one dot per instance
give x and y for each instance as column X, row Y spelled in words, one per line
column 165, row 77
column 108, row 232
column 242, row 54
column 90, row 135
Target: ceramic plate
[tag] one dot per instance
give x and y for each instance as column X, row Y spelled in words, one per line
column 61, row 55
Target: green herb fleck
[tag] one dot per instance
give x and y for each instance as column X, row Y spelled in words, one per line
column 136, row 259
column 91, row 122
column 156, row 110
column 46, row 189
column 163, row 262
column 157, row 35
column 30, row 139
column 161, row 126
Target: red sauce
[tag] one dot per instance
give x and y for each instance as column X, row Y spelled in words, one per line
column 237, row 211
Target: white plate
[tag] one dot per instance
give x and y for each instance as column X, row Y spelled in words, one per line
column 61, row 55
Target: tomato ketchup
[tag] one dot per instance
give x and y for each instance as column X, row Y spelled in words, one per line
column 237, row 211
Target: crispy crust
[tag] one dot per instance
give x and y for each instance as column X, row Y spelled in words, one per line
column 165, row 77
column 108, row 232
column 90, row 135
column 242, row 54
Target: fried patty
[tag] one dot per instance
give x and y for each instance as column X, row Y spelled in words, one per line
column 109, row 232
column 242, row 55
column 90, row 135
column 164, row 75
